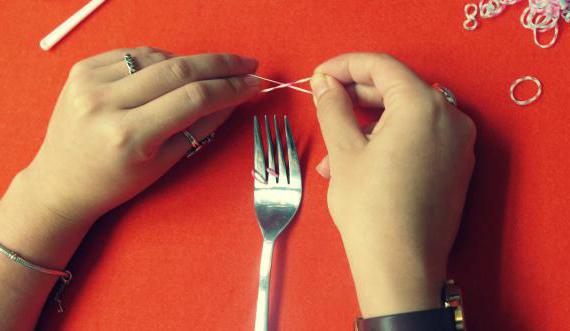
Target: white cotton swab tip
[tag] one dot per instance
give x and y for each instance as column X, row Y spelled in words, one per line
column 64, row 28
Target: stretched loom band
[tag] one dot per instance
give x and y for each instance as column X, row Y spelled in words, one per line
column 259, row 177
column 272, row 172
column 289, row 85
column 304, row 80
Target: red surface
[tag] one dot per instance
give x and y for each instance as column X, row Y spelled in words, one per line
column 184, row 255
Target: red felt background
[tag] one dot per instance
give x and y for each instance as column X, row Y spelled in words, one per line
column 184, row 254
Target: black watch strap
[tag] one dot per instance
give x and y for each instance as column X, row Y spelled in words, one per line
column 441, row 319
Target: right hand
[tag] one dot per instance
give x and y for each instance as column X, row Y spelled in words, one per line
column 396, row 194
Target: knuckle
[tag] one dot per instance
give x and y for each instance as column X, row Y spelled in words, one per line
column 180, row 70
column 142, row 50
column 157, row 57
column 144, row 153
column 73, row 89
column 228, row 61
column 120, row 52
column 89, row 101
column 384, row 57
column 428, row 103
column 234, row 85
column 78, row 69
column 381, row 61
column 126, row 138
column 118, row 136
column 76, row 86
column 87, row 78
column 197, row 94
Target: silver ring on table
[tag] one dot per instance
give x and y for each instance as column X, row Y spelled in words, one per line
column 533, row 98
column 449, row 96
column 195, row 144
column 130, row 61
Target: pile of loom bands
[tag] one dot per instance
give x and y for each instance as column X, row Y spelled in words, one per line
column 540, row 16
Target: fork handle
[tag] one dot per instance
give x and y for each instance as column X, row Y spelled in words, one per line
column 262, row 313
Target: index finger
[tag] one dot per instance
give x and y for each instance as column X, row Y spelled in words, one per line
column 390, row 77
column 110, row 57
column 166, row 76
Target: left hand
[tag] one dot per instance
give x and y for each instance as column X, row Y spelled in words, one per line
column 113, row 134
column 110, row 136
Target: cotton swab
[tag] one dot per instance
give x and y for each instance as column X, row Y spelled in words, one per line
column 61, row 31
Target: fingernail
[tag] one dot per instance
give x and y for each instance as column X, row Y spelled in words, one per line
column 319, row 84
column 320, row 169
column 249, row 61
column 251, row 81
column 323, row 170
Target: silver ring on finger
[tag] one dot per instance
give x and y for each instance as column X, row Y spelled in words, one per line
column 130, row 61
column 449, row 96
column 195, row 144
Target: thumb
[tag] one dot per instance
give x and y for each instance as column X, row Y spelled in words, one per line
column 339, row 127
column 324, row 168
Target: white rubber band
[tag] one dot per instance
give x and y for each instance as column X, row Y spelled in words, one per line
column 471, row 11
column 532, row 99
column 551, row 43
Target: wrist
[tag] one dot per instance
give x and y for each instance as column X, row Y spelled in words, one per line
column 390, row 281
column 391, row 296
column 42, row 238
column 49, row 198
column 33, row 229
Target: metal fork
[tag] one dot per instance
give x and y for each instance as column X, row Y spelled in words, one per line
column 277, row 198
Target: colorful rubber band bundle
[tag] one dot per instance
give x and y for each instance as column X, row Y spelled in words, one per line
column 541, row 16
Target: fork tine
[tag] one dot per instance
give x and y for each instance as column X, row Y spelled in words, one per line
column 258, row 156
column 294, row 168
column 270, row 157
column 280, row 157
